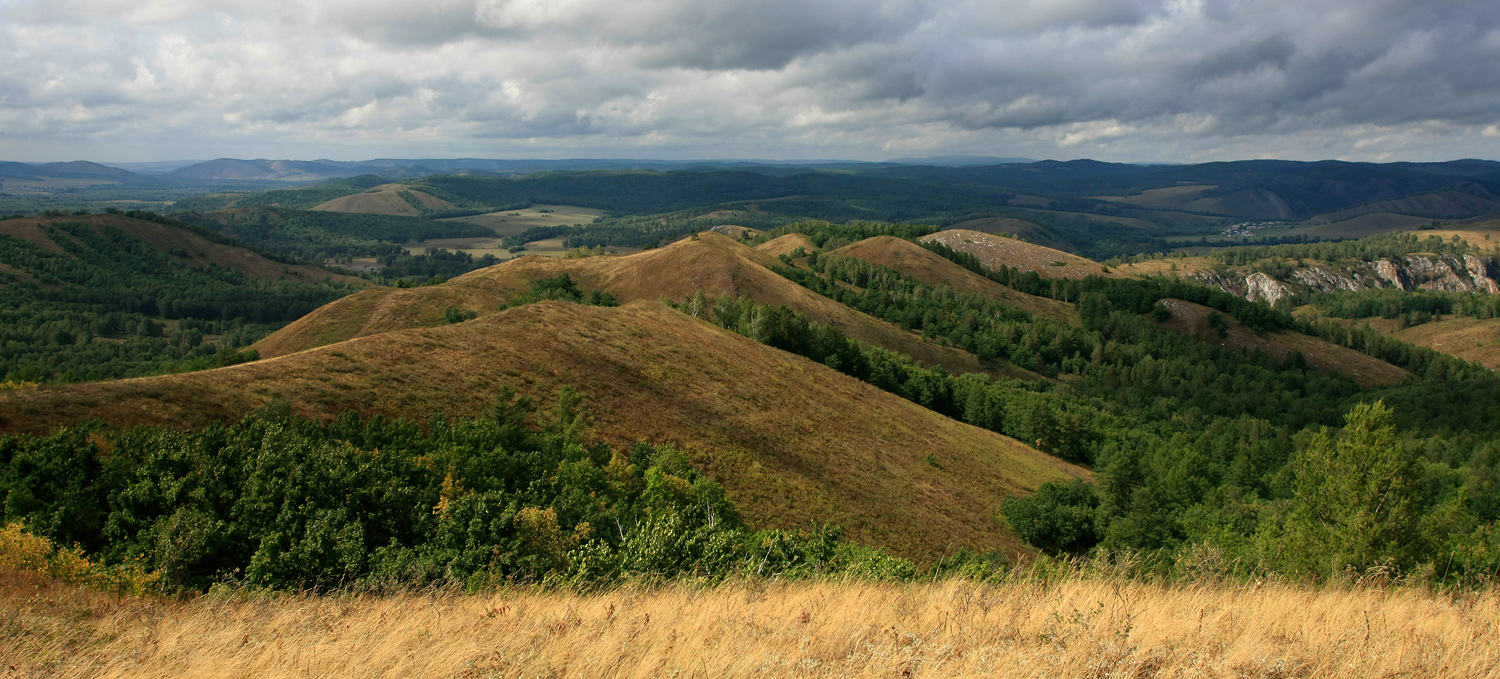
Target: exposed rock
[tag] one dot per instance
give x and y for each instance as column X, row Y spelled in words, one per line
column 1482, row 271
column 1259, row 286
column 1322, row 280
column 1438, row 273
column 1387, row 271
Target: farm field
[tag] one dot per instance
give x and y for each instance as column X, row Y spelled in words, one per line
column 511, row 222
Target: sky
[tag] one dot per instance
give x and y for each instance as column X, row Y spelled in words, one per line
column 1117, row 80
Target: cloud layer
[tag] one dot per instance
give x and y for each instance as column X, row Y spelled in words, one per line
column 1121, row 80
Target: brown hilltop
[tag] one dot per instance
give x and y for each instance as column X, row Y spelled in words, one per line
column 785, row 245
column 713, row 263
column 795, row 443
column 165, row 238
column 994, row 251
column 931, row 269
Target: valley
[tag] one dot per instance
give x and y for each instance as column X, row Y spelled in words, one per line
column 573, row 384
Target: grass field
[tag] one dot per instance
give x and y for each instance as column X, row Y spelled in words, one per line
column 511, row 222
column 1074, row 626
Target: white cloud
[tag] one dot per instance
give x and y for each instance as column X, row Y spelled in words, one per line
column 1122, row 80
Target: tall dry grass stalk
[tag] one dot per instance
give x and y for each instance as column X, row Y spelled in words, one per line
column 1073, row 627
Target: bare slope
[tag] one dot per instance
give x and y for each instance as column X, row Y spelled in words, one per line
column 1368, row 371
column 715, row 264
column 1471, row 339
column 995, row 251
column 795, row 443
column 170, row 239
column 919, row 263
column 387, row 199
column 785, row 245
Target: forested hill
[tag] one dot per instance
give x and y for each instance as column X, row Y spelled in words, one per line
column 114, row 295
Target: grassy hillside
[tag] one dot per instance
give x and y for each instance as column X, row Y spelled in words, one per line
column 712, row 263
column 1193, row 319
column 388, row 199
column 785, row 245
column 997, row 251
column 796, row 444
column 915, row 261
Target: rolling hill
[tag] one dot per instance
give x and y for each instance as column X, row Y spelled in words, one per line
column 786, row 245
column 930, row 269
column 996, row 251
column 713, row 263
column 795, row 443
column 387, row 199
column 1192, row 319
column 188, row 245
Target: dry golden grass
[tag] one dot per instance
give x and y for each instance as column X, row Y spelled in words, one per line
column 201, row 251
column 931, row 269
column 1471, row 339
column 794, row 443
column 1174, row 266
column 1075, row 627
column 994, row 251
column 1368, row 371
column 384, row 200
column 785, row 245
column 713, row 263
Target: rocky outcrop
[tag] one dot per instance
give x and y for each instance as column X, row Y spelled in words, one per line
column 1482, row 271
column 1387, row 271
column 1453, row 273
column 1317, row 278
column 1260, row 287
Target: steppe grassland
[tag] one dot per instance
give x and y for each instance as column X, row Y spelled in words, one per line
column 1074, row 626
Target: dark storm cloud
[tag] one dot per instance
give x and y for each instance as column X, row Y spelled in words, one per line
column 1179, row 79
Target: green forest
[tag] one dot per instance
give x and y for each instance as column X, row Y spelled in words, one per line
column 517, row 495
column 111, row 306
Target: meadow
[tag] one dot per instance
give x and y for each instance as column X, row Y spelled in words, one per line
column 1030, row 625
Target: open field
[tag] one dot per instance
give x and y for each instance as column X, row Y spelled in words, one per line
column 511, row 222
column 1359, row 226
column 1165, row 198
column 1177, row 266
column 1074, row 627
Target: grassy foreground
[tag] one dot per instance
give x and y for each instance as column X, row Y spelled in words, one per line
column 1074, row 627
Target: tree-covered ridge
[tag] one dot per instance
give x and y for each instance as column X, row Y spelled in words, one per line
column 320, row 236
column 280, row 501
column 111, row 305
column 1364, row 249
column 1180, row 485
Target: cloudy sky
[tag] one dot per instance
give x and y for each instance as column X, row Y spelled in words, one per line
column 1123, row 80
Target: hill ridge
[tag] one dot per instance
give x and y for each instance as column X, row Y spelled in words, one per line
column 794, row 442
